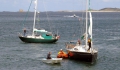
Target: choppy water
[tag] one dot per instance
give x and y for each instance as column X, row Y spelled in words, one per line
column 16, row 55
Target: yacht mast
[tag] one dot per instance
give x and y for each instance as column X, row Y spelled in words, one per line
column 34, row 16
column 86, row 34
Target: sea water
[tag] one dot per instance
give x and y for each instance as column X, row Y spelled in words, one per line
column 16, row 55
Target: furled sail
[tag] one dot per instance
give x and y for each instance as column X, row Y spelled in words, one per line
column 90, row 26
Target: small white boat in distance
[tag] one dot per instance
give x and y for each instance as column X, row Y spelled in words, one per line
column 72, row 16
column 52, row 60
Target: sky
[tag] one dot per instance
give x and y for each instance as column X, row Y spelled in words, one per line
column 57, row 5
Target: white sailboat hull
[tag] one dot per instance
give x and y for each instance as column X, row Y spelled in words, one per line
column 81, row 53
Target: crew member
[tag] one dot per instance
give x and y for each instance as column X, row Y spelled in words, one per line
column 89, row 44
column 62, row 54
column 24, row 31
column 49, row 55
column 78, row 42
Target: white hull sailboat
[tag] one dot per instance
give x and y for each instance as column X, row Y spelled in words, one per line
column 82, row 52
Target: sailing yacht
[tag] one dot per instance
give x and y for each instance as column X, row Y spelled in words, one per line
column 39, row 36
column 85, row 52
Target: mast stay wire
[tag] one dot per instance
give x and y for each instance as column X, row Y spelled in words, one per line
column 82, row 24
column 27, row 14
column 47, row 16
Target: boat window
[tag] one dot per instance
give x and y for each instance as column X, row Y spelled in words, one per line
column 47, row 35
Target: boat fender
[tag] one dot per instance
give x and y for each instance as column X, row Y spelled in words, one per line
column 57, row 37
column 70, row 54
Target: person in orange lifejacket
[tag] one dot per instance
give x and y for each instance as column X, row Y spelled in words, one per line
column 89, row 44
column 62, row 54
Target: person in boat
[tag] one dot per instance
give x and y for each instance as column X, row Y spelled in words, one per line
column 78, row 42
column 89, row 44
column 62, row 54
column 24, row 31
column 49, row 55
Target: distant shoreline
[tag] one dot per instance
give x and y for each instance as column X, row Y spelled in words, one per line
column 63, row 11
column 85, row 11
column 92, row 10
column 105, row 11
